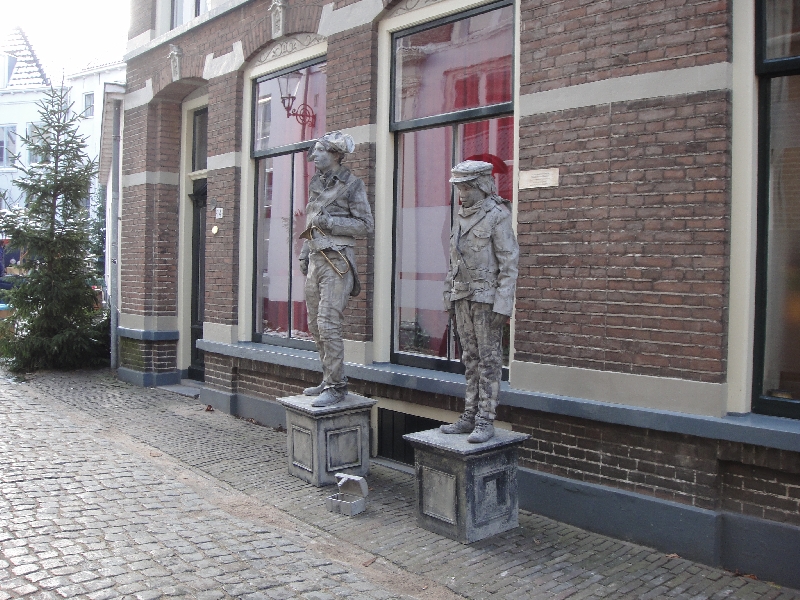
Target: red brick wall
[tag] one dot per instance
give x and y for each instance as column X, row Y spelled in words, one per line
column 142, row 17
column 149, row 232
column 352, row 77
column 148, row 357
column 624, row 264
column 570, row 42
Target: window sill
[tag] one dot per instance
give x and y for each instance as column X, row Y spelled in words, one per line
column 760, row 430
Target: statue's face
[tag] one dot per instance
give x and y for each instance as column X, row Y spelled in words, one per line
column 324, row 160
column 468, row 194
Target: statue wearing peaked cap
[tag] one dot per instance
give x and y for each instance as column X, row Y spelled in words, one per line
column 479, row 292
column 337, row 213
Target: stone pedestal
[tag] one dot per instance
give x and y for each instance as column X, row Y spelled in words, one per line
column 327, row 440
column 466, row 492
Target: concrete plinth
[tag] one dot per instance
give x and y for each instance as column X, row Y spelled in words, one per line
column 323, row 441
column 466, row 492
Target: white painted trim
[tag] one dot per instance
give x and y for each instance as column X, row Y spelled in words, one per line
column 227, row 63
column 140, row 40
column 150, row 177
column 217, row 332
column 356, row 352
column 247, row 204
column 225, row 161
column 515, row 182
column 349, row 17
column 744, row 175
column 139, row 97
column 148, row 322
column 676, row 82
column 185, row 213
column 662, row 393
column 363, row 134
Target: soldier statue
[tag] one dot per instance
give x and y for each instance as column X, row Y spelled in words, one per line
column 479, row 292
column 337, row 213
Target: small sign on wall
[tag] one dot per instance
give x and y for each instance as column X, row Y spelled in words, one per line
column 538, row 178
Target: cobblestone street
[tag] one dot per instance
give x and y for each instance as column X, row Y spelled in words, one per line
column 110, row 491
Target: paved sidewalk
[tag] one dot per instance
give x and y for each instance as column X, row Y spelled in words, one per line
column 104, row 485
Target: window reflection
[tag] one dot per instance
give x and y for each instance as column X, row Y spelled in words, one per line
column 455, row 66
column 273, row 127
column 783, row 28
column 782, row 332
column 425, row 210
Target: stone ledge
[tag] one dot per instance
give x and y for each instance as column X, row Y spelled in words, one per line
column 758, row 430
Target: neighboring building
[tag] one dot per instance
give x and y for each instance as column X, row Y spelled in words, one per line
column 87, row 93
column 23, row 84
column 651, row 152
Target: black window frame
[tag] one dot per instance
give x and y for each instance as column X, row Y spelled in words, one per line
column 295, row 148
column 453, row 119
column 766, row 70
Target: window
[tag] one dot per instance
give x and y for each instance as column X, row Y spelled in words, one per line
column 289, row 113
column 8, row 145
column 200, row 140
column 186, row 10
column 88, row 105
column 33, row 135
column 452, row 101
column 777, row 352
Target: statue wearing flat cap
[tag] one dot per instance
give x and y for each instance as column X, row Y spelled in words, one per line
column 337, row 213
column 479, row 292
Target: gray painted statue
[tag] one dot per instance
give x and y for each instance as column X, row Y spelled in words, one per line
column 337, row 213
column 479, row 291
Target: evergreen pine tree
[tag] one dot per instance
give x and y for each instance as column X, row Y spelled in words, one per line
column 53, row 324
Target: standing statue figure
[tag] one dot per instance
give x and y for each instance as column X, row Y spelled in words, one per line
column 337, row 213
column 479, row 292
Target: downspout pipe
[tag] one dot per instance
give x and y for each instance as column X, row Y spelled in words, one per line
column 114, row 232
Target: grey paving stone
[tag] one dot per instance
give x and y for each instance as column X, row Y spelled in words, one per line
column 76, row 502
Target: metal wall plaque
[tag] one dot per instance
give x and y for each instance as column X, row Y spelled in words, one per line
column 538, row 178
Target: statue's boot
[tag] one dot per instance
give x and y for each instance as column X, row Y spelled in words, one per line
column 483, row 432
column 314, row 391
column 465, row 424
column 330, row 396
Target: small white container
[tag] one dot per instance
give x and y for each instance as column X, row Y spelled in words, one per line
column 352, row 496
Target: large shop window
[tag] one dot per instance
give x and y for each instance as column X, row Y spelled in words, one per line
column 289, row 113
column 451, row 101
column 777, row 352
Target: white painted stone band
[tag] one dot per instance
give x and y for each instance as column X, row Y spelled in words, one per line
column 140, row 40
column 349, row 17
column 139, row 97
column 676, row 82
column 225, row 161
column 363, row 134
column 150, row 177
column 661, row 393
column 227, row 63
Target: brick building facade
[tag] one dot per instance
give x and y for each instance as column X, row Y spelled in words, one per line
column 653, row 350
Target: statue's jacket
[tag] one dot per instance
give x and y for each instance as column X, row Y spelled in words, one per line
column 483, row 257
column 343, row 198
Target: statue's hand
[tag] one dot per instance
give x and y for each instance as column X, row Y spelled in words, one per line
column 323, row 221
column 498, row 320
column 304, row 266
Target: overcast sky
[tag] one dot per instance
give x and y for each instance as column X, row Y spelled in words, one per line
column 68, row 35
